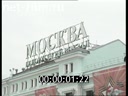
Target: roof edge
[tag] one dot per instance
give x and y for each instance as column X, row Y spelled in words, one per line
column 108, row 44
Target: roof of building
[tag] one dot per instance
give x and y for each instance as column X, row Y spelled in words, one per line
column 97, row 47
column 74, row 50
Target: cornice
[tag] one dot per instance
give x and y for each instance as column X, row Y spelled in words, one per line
column 31, row 73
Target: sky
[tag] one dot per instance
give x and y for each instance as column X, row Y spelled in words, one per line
column 24, row 22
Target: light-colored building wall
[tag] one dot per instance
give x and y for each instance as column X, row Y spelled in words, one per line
column 107, row 56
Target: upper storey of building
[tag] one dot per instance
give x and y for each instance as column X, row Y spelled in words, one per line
column 97, row 58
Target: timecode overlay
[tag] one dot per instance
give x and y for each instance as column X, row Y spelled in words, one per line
column 63, row 79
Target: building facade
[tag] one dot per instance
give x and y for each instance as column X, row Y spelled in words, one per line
column 104, row 65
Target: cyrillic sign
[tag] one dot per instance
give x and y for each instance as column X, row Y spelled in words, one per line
column 53, row 46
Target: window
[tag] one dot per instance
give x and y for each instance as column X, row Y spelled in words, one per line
column 53, row 74
column 13, row 88
column 16, row 87
column 35, row 82
column 89, row 93
column 22, row 85
column 57, row 73
column 66, row 68
column 31, row 83
column 4, row 90
column 71, row 67
column 69, row 94
column 25, row 84
column 125, row 59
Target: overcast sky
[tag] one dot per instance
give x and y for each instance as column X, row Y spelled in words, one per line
column 25, row 22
